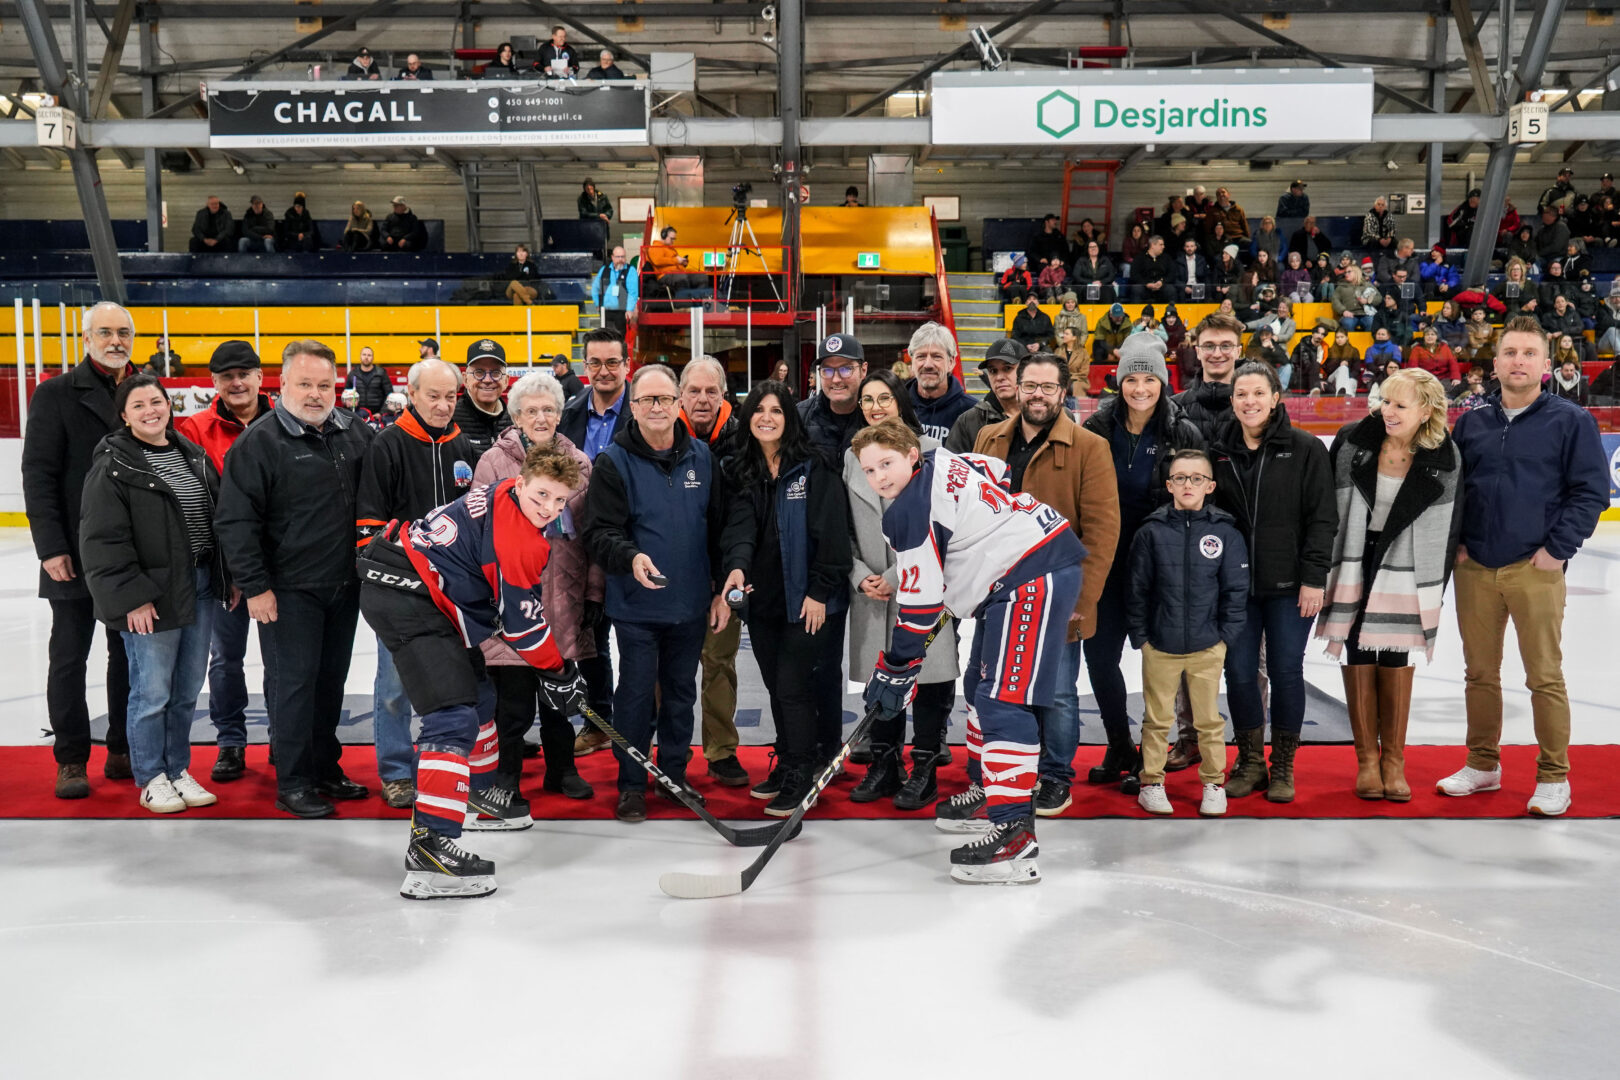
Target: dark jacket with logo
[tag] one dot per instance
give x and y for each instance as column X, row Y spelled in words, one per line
column 287, row 502
column 662, row 504
column 1189, row 586
column 67, row 420
column 411, row 471
column 482, row 428
column 1282, row 497
column 134, row 546
column 936, row 415
column 831, row 432
column 811, row 510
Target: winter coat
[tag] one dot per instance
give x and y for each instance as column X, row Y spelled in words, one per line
column 1376, row 226
column 406, row 227
column 569, row 581
column 1380, row 353
column 1189, row 581
column 409, row 472
column 260, row 225
column 1439, row 273
column 374, row 387
column 1305, row 368
column 1453, row 332
column 1441, row 363
column 1075, row 319
column 1345, row 354
column 67, row 419
column 965, row 431
column 1567, row 323
column 1109, row 334
column 216, row 428
column 1293, row 283
column 1310, row 245
column 133, row 542
column 812, row 526
column 829, row 430
column 1539, row 481
column 592, row 207
column 1053, row 277
column 215, row 225
column 297, row 220
column 871, row 622
column 1032, row 328
column 480, row 427
column 1284, row 507
column 1173, row 432
column 1147, row 269
column 1073, row 473
column 1086, row 272
column 1016, row 279
column 936, row 415
column 1206, row 406
column 1388, row 264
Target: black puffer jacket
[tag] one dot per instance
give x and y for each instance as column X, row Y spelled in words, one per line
column 1207, row 405
column 133, row 543
column 1282, row 498
column 1189, row 587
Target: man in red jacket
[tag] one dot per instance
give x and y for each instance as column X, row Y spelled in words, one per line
column 237, row 403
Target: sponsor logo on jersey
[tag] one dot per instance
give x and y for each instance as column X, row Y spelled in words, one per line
column 1210, row 546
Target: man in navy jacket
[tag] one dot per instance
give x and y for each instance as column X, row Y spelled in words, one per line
column 1535, row 481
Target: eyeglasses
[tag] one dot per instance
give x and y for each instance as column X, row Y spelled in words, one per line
column 123, row 333
column 487, row 374
column 1046, row 389
column 843, row 371
column 1225, row 348
column 529, row 412
column 603, row 365
column 662, row 401
column 881, row 401
column 1194, row 481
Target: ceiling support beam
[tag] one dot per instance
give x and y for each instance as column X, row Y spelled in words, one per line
column 109, row 60
column 1434, row 167
column 1479, row 72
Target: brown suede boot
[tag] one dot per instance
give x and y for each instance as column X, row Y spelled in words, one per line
column 72, row 782
column 1394, row 706
column 1248, row 773
column 1283, row 748
column 1361, row 701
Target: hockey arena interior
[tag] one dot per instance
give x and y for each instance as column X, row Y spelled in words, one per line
column 803, row 513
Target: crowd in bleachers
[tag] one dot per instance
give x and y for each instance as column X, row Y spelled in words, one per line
column 214, row 230
column 555, row 59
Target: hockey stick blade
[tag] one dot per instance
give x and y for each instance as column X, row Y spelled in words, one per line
column 700, row 886
column 736, row 837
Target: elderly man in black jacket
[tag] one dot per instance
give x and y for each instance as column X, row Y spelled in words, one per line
column 286, row 523
column 402, row 230
column 67, row 418
column 213, row 230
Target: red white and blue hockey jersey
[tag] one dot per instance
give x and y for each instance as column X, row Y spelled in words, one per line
column 961, row 538
column 481, row 560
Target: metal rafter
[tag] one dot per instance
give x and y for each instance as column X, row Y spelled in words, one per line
column 108, row 71
column 1479, row 72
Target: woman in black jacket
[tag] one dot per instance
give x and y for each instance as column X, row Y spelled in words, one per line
column 1277, row 481
column 786, row 545
column 522, row 277
column 1094, row 268
column 154, row 571
column 298, row 229
column 1143, row 427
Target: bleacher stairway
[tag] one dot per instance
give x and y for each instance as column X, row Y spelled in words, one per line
column 977, row 309
column 503, row 205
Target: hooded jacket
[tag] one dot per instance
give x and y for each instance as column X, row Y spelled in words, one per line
column 214, row 225
column 1112, row 330
column 1282, row 497
column 409, row 471
column 936, row 415
column 1075, row 319
column 216, row 428
column 1189, row 581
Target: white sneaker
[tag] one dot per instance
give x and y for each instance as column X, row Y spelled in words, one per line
column 1550, row 800
column 1466, row 781
column 160, row 797
column 1214, row 804
column 194, row 794
column 1153, row 799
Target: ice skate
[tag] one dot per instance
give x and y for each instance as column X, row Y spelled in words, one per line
column 1003, row 856
column 497, row 809
column 436, row 868
column 963, row 812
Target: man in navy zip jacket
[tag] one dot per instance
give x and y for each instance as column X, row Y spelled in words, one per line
column 653, row 512
column 935, row 394
column 1534, row 484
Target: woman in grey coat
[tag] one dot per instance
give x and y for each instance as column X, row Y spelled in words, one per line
column 872, row 615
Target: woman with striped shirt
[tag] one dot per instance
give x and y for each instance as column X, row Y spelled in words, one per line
column 155, row 573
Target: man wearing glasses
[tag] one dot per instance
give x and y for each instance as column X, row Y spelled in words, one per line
column 590, row 421
column 481, row 414
column 1071, row 470
column 832, row 417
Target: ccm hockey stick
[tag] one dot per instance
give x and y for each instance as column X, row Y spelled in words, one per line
column 775, row 832
column 684, row 886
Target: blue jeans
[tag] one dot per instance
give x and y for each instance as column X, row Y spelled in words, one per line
column 227, row 686
column 166, row 670
column 1286, row 633
column 1349, row 323
column 1060, row 721
column 391, row 721
column 665, row 659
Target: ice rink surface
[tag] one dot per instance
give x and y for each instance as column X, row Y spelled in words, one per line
column 1208, row 948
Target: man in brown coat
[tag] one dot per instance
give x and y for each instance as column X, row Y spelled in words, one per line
column 1071, row 470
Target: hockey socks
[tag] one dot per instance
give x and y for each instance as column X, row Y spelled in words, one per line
column 975, row 745
column 1010, row 772
column 442, row 784
column 486, row 754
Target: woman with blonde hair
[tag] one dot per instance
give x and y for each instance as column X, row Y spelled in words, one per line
column 1397, row 479
column 360, row 234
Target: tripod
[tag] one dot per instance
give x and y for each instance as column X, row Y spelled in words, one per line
column 735, row 248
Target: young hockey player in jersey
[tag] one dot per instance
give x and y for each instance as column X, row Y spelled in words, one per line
column 433, row 590
column 964, row 544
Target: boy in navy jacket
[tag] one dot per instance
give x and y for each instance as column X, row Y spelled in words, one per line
column 1188, row 596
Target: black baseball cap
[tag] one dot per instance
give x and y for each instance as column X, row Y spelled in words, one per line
column 432, row 343
column 233, row 355
column 1297, row 183
column 486, row 349
column 1005, row 349
column 844, row 346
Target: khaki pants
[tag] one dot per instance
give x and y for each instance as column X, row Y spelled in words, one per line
column 521, row 293
column 1534, row 600
column 719, row 697
column 1162, row 673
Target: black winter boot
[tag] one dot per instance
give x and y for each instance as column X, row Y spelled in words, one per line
column 1116, row 761
column 920, row 787
column 884, row 776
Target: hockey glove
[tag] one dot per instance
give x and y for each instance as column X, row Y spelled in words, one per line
column 892, row 687
column 563, row 690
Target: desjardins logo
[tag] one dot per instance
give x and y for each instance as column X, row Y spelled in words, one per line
column 1059, row 113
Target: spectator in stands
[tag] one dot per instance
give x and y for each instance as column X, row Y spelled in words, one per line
column 413, row 467
column 1552, row 238
column 1404, row 257
column 1584, row 225
column 1189, row 274
column 403, row 231
column 504, row 66
column 1605, row 189
column 1071, row 350
column 605, row 70
column 1560, row 197
column 1382, row 351
column 1511, row 222
column 298, row 229
column 1567, row 381
column 1355, row 301
column 362, row 68
column 1217, row 241
column 155, row 575
column 258, row 229
column 1395, row 315
column 1560, row 316
column 371, row 382
column 1305, row 363
column 1135, row 243
column 573, row 591
column 414, row 71
column 1032, row 328
column 1607, row 322
column 1174, row 219
column 1112, row 330
column 1378, row 227
column 936, row 396
column 593, row 205
column 1517, row 293
column 1521, row 245
column 1069, row 315
column 669, row 268
column 1295, row 204
column 1440, row 279
column 1265, row 268
column 1093, row 268
column 1324, row 278
column 615, row 290
column 1341, row 367
column 1016, row 282
column 1310, row 241
column 481, row 413
column 286, row 527
column 1052, row 280
column 1554, row 284
column 1294, row 280
column 1266, row 239
column 1473, row 390
column 427, row 349
column 1049, row 242
column 1460, row 222
column 1451, row 326
column 1148, row 323
column 1152, row 275
column 1608, row 214
column 1263, row 346
column 1435, row 356
column 1249, row 299
column 165, row 363
column 213, row 229
column 522, row 277
column 1198, row 207
column 1480, row 349
column 557, row 57
column 1577, row 264
column 562, row 369
column 360, row 234
column 1085, row 234
column 238, row 402
column 852, row 196
column 1230, row 215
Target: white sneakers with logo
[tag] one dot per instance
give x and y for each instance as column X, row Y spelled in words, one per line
column 1214, row 802
column 1550, row 800
column 160, row 797
column 1467, row 781
column 1153, row 799
column 191, row 792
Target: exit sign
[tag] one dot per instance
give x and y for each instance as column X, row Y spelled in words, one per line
column 868, row 260
column 714, row 260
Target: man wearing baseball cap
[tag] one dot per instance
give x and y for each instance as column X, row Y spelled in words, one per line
column 481, row 412
column 237, row 403
column 833, row 416
column 402, row 230
column 427, row 349
column 1295, row 204
column 999, row 372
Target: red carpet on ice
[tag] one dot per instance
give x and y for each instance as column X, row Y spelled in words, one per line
column 1323, row 778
